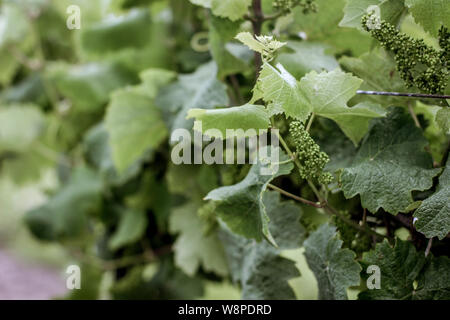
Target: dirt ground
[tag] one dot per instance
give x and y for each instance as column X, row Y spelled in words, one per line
column 20, row 280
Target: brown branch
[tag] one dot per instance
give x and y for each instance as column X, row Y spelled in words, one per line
column 292, row 196
column 257, row 22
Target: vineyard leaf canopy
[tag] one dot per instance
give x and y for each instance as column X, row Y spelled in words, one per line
column 390, row 164
column 131, row 228
column 241, row 205
column 433, row 215
column 334, row 268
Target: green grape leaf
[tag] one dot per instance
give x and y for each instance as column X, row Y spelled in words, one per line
column 390, row 164
column 221, row 31
column 98, row 153
column 259, row 268
column 434, row 281
column 306, row 57
column 241, row 206
column 328, row 94
column 218, row 121
column 334, row 268
column 134, row 125
column 282, row 93
column 430, row 14
column 433, row 215
column 379, row 72
column 117, row 32
column 20, row 126
column 390, row 10
column 200, row 89
column 131, row 228
column 400, row 266
column 231, row 9
column 152, row 80
column 65, row 215
column 89, row 86
column 193, row 248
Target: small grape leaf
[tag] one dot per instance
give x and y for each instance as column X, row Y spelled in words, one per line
column 430, row 14
column 282, row 93
column 259, row 268
column 246, row 117
column 193, row 248
column 400, row 266
column 334, row 268
column 241, row 205
column 328, row 94
column 390, row 164
column 433, row 215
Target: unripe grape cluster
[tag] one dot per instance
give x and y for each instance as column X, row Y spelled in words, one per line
column 287, row 5
column 308, row 152
column 419, row 65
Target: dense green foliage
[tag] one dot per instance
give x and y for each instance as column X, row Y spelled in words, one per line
column 360, row 180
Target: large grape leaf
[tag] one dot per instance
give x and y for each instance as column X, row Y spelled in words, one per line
column 244, row 117
column 241, row 205
column 400, row 266
column 433, row 215
column 258, row 267
column 390, row 10
column 431, row 14
column 65, row 215
column 390, row 164
column 200, row 89
column 328, row 93
column 193, row 248
column 20, row 126
column 307, row 56
column 282, row 92
column 135, row 125
column 334, row 268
